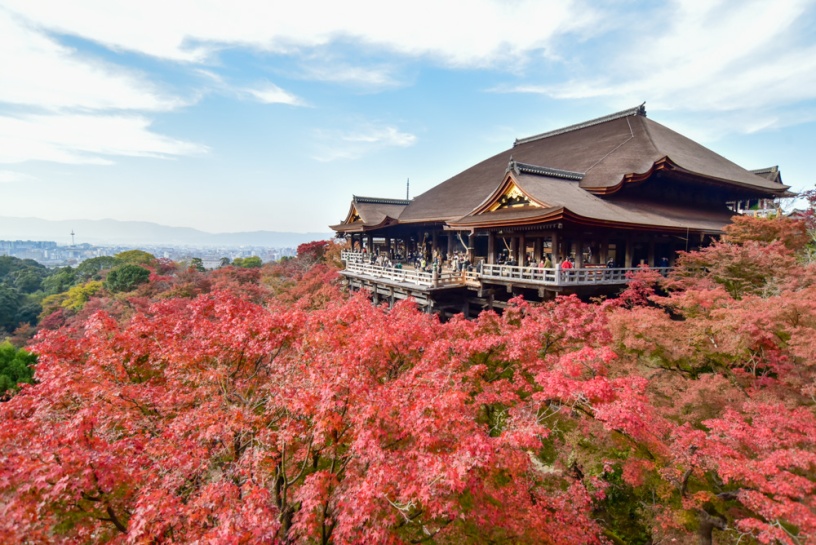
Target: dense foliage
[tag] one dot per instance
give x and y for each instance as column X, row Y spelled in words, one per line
column 16, row 367
column 264, row 405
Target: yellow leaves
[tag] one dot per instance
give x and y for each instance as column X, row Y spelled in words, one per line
column 76, row 297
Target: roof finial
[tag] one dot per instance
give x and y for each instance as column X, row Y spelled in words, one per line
column 408, row 189
column 511, row 165
column 641, row 110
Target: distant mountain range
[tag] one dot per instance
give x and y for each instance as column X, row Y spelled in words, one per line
column 113, row 232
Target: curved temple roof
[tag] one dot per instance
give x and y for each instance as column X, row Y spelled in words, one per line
column 599, row 156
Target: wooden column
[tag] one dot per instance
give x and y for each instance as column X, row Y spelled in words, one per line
column 371, row 244
column 522, row 250
column 651, row 261
column 433, row 243
column 556, row 256
column 513, row 247
column 577, row 252
column 630, row 248
column 537, row 249
column 470, row 242
column 491, row 247
column 603, row 253
column 450, row 243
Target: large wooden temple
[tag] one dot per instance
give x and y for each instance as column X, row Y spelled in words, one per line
column 605, row 195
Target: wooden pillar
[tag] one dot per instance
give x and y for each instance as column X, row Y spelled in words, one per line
column 513, row 247
column 556, row 256
column 629, row 256
column 576, row 252
column 388, row 246
column 603, row 254
column 537, row 249
column 491, row 247
column 651, row 261
column 433, row 243
column 371, row 244
column 450, row 243
column 522, row 250
column 470, row 243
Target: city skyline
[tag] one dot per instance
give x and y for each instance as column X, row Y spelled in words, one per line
column 267, row 116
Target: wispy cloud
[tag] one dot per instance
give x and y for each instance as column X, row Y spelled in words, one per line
column 85, row 139
column 717, row 57
column 10, row 177
column 269, row 93
column 37, row 71
column 456, row 32
column 337, row 145
column 329, row 67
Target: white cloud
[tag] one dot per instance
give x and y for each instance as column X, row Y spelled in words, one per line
column 37, row 71
column 10, row 176
column 329, row 68
column 711, row 56
column 270, row 93
column 337, row 145
column 457, row 32
column 85, row 139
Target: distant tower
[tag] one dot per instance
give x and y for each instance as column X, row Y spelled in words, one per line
column 408, row 189
column 72, row 237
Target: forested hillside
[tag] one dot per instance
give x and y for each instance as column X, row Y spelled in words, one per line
column 266, row 405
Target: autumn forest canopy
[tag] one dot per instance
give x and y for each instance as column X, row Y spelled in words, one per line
column 265, row 404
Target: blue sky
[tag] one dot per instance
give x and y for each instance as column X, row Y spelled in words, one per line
column 249, row 115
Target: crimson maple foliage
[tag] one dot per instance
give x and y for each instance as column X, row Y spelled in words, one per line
column 266, row 406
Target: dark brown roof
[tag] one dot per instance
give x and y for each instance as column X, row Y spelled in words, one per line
column 373, row 212
column 565, row 199
column 771, row 173
column 604, row 151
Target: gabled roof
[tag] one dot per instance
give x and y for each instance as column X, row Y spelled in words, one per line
column 770, row 173
column 566, row 200
column 371, row 213
column 605, row 153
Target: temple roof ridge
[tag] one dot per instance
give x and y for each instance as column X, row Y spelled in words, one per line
column 379, row 200
column 538, row 170
column 769, row 173
column 766, row 170
column 636, row 111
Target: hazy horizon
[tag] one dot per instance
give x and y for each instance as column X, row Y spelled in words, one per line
column 168, row 114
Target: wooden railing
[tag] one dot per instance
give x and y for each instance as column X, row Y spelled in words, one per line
column 358, row 263
column 431, row 279
column 557, row 277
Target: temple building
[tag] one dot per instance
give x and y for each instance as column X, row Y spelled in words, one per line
column 605, row 195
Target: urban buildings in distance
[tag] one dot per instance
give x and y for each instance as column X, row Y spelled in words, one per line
column 50, row 254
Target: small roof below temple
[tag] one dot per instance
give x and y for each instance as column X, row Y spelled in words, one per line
column 371, row 212
column 771, row 174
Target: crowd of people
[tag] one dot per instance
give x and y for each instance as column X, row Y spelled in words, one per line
column 459, row 262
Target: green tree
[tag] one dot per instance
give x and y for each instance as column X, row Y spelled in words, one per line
column 15, row 367
column 90, row 268
column 136, row 257
column 198, row 264
column 225, row 261
column 10, row 302
column 247, row 262
column 27, row 280
column 126, row 278
column 59, row 281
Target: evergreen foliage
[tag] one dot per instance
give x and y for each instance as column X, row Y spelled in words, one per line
column 126, row 277
column 16, row 366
